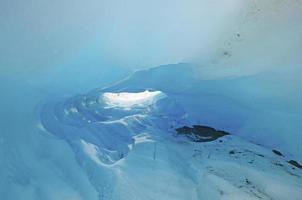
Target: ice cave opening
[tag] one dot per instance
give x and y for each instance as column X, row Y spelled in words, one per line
column 128, row 100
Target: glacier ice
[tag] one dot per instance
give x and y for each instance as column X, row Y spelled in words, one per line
column 90, row 147
column 120, row 142
column 68, row 130
column 258, row 107
column 124, row 139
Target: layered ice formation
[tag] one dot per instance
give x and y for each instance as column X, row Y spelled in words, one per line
column 226, row 126
column 104, row 125
column 133, row 141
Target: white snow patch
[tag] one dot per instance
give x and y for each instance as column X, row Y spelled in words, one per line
column 92, row 151
column 121, row 121
column 128, row 99
column 142, row 138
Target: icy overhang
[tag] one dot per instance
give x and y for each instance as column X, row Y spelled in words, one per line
column 131, row 99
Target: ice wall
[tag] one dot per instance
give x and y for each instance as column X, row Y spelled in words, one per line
column 53, row 50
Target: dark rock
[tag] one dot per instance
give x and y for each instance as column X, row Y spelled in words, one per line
column 232, row 152
column 277, row 152
column 260, row 155
column 295, row 163
column 201, row 133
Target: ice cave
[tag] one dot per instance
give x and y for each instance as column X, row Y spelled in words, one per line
column 151, row 100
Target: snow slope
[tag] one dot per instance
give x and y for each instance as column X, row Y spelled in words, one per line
column 124, row 140
column 264, row 108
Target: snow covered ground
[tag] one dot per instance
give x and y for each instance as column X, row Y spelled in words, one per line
column 124, row 139
column 263, row 108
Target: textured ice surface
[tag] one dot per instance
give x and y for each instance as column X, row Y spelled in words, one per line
column 55, row 144
column 104, row 125
column 81, row 148
column 124, row 140
column 259, row 107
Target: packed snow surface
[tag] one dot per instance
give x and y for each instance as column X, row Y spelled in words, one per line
column 128, row 99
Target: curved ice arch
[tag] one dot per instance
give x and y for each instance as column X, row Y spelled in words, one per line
column 104, row 125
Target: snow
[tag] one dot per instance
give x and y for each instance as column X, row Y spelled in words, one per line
column 128, row 100
column 91, row 151
column 142, row 138
column 120, row 143
column 128, row 141
column 68, row 130
column 251, row 107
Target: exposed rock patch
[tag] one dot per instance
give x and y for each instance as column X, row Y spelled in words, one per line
column 295, row 163
column 201, row 133
column 277, row 152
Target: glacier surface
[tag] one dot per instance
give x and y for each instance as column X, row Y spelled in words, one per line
column 69, row 130
column 120, row 142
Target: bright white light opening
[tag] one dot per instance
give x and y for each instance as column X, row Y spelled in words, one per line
column 128, row 100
